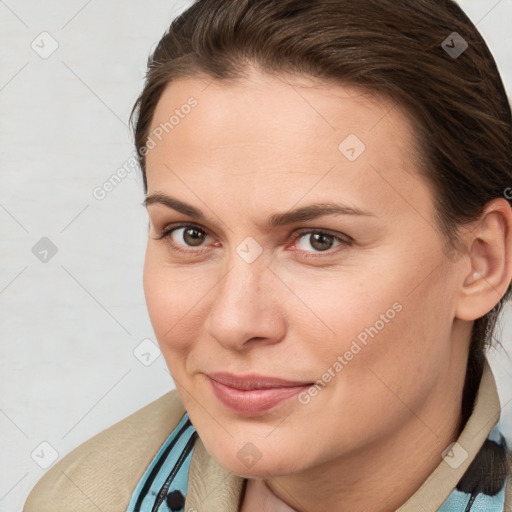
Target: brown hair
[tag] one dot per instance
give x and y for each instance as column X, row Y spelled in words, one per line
column 394, row 48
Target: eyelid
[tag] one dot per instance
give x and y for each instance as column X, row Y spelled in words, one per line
column 168, row 229
column 339, row 236
column 344, row 242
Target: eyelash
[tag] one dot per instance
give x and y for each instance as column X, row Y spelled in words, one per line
column 344, row 241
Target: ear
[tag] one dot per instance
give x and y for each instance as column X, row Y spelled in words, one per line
column 489, row 245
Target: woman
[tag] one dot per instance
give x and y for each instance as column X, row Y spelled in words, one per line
column 330, row 245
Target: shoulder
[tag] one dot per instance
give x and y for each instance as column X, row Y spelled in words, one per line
column 102, row 473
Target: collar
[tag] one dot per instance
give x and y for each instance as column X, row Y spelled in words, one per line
column 212, row 488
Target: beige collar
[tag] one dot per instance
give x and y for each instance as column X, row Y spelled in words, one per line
column 214, row 489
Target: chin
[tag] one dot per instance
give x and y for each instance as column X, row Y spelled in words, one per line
column 251, row 462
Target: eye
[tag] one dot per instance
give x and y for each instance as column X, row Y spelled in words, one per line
column 187, row 237
column 319, row 241
column 184, row 236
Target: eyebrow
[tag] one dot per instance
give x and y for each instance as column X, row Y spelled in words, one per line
column 301, row 214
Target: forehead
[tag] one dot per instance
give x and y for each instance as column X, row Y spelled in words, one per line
column 259, row 100
column 279, row 132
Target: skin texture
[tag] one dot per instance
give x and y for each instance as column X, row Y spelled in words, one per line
column 263, row 145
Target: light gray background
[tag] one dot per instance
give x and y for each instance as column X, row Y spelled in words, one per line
column 70, row 325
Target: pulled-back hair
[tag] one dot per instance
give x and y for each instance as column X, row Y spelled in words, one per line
column 398, row 49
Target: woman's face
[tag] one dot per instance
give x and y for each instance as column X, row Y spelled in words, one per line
column 306, row 252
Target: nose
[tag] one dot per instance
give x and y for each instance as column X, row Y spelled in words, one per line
column 245, row 307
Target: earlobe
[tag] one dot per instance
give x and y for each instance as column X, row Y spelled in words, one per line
column 490, row 255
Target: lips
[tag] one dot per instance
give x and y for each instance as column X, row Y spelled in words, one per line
column 253, row 394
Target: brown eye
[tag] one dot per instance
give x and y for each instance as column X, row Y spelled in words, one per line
column 321, row 242
column 189, row 236
column 318, row 241
column 192, row 236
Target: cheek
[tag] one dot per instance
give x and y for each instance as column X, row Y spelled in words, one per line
column 173, row 299
column 397, row 323
column 338, row 311
column 403, row 359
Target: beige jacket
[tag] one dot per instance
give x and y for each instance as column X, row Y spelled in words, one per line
column 101, row 474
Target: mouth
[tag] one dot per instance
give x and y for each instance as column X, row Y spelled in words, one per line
column 253, row 394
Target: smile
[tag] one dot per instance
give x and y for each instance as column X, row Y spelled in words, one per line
column 253, row 395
